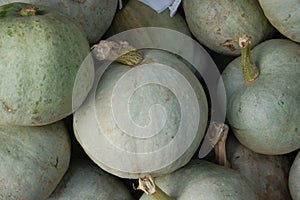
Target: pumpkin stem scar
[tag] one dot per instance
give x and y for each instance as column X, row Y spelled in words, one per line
column 29, row 11
column 7, row 107
column 220, row 148
column 120, row 51
column 147, row 185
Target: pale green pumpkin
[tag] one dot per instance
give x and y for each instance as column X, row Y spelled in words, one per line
column 40, row 65
column 264, row 113
column 294, row 177
column 33, row 160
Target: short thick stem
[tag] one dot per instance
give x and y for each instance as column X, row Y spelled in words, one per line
column 148, row 186
column 29, row 11
column 250, row 70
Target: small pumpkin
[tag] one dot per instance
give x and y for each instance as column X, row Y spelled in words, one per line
column 267, row 174
column 294, row 177
column 85, row 180
column 284, row 16
column 41, row 54
column 93, row 15
column 136, row 14
column 146, row 119
column 213, row 22
column 33, row 160
column 203, row 180
column 263, row 98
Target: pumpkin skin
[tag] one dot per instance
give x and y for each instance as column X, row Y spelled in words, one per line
column 93, row 15
column 40, row 59
column 123, row 154
column 203, row 180
column 136, row 14
column 284, row 16
column 294, row 177
column 212, row 23
column 267, row 174
column 85, row 180
column 33, row 160
column 264, row 115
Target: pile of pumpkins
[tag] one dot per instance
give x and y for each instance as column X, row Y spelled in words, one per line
column 50, row 148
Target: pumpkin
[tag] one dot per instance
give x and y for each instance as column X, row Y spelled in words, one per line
column 294, row 177
column 213, row 22
column 148, row 119
column 263, row 98
column 267, row 174
column 136, row 14
column 93, row 15
column 85, row 180
column 284, row 16
column 201, row 179
column 33, row 160
column 40, row 65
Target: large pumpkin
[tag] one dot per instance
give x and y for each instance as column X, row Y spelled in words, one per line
column 40, row 59
column 264, row 111
column 203, row 180
column 85, row 180
column 294, row 177
column 93, row 15
column 284, row 16
column 33, row 160
column 213, row 22
column 148, row 119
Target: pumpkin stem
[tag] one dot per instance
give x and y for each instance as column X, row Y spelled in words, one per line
column 250, row 70
column 29, row 11
column 121, row 52
column 220, row 148
column 147, row 185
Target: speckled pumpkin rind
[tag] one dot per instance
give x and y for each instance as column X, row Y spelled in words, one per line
column 294, row 177
column 40, row 57
column 264, row 115
column 33, row 160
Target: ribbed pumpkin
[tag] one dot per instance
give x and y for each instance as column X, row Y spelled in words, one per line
column 95, row 16
column 213, row 22
column 135, row 14
column 33, row 160
column 203, row 180
column 40, row 65
column 267, row 174
column 294, row 177
column 85, row 180
column 263, row 110
column 148, row 119
column 284, row 16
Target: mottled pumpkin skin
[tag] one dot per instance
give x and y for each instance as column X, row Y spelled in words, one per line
column 33, row 160
column 136, row 14
column 40, row 59
column 214, row 22
column 294, row 177
column 284, row 16
column 264, row 115
column 203, row 180
column 85, row 180
column 268, row 174
column 95, row 16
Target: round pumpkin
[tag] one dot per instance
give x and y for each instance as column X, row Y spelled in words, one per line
column 85, row 180
column 40, row 65
column 267, row 174
column 203, row 180
column 136, row 14
column 284, row 16
column 212, row 23
column 294, row 177
column 148, row 119
column 93, row 15
column 33, row 160
column 264, row 113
